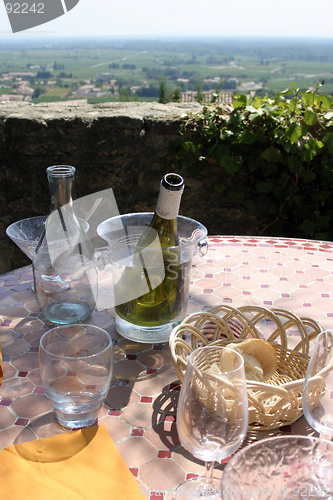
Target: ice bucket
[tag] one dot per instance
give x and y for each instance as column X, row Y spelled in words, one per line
column 151, row 283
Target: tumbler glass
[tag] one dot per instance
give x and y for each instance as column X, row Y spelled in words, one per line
column 76, row 366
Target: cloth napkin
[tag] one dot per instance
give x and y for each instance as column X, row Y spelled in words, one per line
column 78, row 465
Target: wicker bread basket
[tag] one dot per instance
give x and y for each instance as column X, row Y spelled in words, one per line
column 277, row 401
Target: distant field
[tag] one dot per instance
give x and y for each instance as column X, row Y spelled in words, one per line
column 57, row 92
column 261, row 67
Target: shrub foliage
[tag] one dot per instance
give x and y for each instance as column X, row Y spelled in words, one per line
column 275, row 157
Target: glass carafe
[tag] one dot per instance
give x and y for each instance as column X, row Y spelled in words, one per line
column 65, row 275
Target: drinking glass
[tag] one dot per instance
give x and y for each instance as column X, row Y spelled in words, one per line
column 280, row 468
column 76, row 367
column 317, row 394
column 212, row 416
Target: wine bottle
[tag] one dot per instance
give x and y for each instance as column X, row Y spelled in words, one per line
column 160, row 292
column 164, row 221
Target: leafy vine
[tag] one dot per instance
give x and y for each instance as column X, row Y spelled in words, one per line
column 279, row 150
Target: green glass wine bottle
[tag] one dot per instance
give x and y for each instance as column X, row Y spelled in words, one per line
column 164, row 221
column 158, row 274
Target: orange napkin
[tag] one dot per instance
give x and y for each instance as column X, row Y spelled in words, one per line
column 78, row 465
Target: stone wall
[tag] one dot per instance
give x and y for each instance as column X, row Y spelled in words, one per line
column 123, row 146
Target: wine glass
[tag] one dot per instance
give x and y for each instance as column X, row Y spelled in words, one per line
column 285, row 467
column 318, row 386
column 26, row 233
column 212, row 416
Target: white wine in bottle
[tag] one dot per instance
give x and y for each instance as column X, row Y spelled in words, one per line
column 160, row 284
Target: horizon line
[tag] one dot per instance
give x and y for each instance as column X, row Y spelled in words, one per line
column 166, row 36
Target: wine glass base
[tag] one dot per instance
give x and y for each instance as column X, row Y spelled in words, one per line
column 193, row 489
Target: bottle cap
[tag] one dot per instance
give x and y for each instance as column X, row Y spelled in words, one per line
column 172, row 187
column 173, row 182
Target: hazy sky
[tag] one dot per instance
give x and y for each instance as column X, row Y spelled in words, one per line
column 300, row 18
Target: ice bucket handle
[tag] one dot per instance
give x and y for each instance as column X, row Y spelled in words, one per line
column 202, row 245
column 101, row 260
column 202, row 248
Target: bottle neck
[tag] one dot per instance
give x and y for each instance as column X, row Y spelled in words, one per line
column 60, row 178
column 168, row 203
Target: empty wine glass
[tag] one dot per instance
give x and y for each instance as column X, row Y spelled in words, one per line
column 286, row 467
column 318, row 386
column 212, row 416
column 26, row 233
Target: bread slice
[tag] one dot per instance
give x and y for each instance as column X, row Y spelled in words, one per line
column 229, row 361
column 260, row 360
column 264, row 353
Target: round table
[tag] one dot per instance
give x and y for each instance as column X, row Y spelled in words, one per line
column 140, row 408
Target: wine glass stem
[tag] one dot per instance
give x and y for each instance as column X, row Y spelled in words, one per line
column 207, row 488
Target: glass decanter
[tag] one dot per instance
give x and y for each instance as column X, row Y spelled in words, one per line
column 65, row 274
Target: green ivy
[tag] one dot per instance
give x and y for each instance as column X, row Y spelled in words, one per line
column 278, row 150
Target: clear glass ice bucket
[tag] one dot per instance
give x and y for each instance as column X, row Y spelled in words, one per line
column 138, row 271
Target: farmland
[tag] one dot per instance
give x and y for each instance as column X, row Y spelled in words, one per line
column 100, row 69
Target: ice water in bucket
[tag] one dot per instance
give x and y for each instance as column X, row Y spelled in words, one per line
column 151, row 283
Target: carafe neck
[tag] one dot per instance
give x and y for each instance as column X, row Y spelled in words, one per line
column 60, row 178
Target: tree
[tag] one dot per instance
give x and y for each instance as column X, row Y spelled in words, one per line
column 37, row 92
column 199, row 91
column 151, row 91
column 176, row 94
column 124, row 94
column 163, row 92
column 44, row 74
column 217, row 90
column 129, row 66
column 219, row 86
